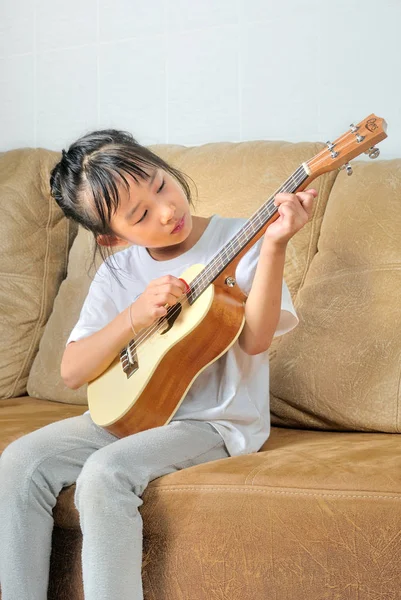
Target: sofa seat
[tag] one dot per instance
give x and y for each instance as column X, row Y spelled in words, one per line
column 293, row 464
column 19, row 416
column 320, row 508
column 312, row 500
column 325, row 508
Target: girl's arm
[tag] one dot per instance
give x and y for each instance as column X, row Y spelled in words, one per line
column 87, row 358
column 263, row 305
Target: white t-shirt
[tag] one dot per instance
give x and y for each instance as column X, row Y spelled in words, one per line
column 232, row 394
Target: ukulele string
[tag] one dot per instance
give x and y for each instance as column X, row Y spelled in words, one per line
column 182, row 300
column 265, row 209
column 149, row 331
column 160, row 323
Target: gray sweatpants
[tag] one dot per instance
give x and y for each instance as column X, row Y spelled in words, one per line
column 111, row 475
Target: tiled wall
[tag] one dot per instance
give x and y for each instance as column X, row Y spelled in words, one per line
column 196, row 71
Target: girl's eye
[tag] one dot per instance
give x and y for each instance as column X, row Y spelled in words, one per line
column 143, row 216
column 145, row 213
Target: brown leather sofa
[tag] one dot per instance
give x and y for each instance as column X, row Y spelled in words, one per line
column 315, row 514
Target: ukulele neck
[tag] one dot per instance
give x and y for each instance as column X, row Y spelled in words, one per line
column 246, row 236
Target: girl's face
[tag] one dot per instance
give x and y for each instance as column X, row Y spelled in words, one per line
column 153, row 213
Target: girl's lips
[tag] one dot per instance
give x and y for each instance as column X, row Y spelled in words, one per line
column 179, row 225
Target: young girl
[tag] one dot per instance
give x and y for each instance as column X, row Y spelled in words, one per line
column 126, row 195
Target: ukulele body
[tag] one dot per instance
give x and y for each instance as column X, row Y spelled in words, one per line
column 167, row 361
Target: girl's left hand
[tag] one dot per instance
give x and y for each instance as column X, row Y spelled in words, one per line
column 295, row 211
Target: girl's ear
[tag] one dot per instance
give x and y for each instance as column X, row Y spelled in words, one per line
column 110, row 240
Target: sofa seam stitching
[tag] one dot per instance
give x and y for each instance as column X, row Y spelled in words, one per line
column 262, row 491
column 359, row 269
column 43, row 302
column 397, row 422
column 313, row 228
column 67, row 249
column 24, row 277
column 313, row 221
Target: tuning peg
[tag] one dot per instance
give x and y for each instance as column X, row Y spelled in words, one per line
column 348, row 168
column 354, row 129
column 373, row 152
column 333, row 153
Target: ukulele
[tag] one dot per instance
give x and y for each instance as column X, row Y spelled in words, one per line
column 146, row 383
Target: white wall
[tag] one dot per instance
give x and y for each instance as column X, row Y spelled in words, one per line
column 196, row 71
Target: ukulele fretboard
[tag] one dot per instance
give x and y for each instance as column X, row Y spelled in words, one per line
column 245, row 234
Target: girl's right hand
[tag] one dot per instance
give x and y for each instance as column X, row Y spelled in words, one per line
column 151, row 304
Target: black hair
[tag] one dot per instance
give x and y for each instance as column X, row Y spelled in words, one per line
column 84, row 181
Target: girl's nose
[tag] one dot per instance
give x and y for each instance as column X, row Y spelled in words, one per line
column 167, row 214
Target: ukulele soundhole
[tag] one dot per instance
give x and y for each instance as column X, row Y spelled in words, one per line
column 169, row 319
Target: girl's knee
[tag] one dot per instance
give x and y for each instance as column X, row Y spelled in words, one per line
column 16, row 457
column 93, row 480
column 16, row 468
column 102, row 481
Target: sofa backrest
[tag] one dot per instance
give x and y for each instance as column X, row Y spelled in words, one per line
column 340, row 369
column 35, row 239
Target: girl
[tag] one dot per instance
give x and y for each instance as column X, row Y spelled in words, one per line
column 126, row 195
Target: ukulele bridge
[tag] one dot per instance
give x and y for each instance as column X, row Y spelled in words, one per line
column 128, row 359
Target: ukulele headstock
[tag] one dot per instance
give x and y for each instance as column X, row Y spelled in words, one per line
column 360, row 138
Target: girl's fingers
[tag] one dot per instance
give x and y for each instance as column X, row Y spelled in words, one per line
column 302, row 196
column 284, row 197
column 300, row 202
column 187, row 287
column 287, row 211
column 294, row 214
column 307, row 205
column 165, row 298
column 169, row 281
column 175, row 290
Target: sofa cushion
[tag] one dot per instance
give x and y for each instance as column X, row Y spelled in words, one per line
column 340, row 368
column 317, row 508
column 22, row 415
column 293, row 461
column 232, row 180
column 44, row 379
column 35, row 239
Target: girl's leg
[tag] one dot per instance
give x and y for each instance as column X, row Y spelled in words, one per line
column 108, row 496
column 33, row 470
